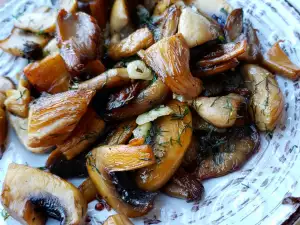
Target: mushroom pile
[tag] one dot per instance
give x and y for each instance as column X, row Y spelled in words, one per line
column 136, row 97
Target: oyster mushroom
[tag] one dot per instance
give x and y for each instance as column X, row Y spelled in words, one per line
column 53, row 118
column 48, row 75
column 116, row 187
column 266, row 102
column 117, row 219
column 172, row 136
column 41, row 193
column 79, row 38
column 88, row 190
column 24, row 44
column 169, row 26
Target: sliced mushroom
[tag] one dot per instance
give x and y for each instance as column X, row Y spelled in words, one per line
column 88, row 190
column 41, row 193
column 172, row 137
column 41, row 20
column 153, row 114
column 169, row 26
column 184, row 185
column 211, row 7
column 51, row 48
column 169, row 58
column 24, row 44
column 150, row 97
column 221, row 111
column 222, row 154
column 5, row 84
column 109, row 79
column 53, row 118
column 217, row 69
column 278, row 62
column 195, row 28
column 137, row 70
column 122, row 134
column 140, row 39
column 234, row 25
column 3, row 131
column 267, row 102
column 117, row 219
column 17, row 101
column 80, row 39
column 115, row 187
column 69, row 5
column 48, row 75
column 20, row 126
column 93, row 68
column 119, row 17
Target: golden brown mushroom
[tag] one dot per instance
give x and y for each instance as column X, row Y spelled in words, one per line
column 117, row 219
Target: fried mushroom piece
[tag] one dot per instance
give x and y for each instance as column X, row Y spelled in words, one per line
column 223, row 154
column 79, row 38
column 221, row 112
column 169, row 58
column 5, row 84
column 24, row 44
column 69, row 5
column 172, row 136
column 88, row 190
column 3, row 130
column 48, row 75
column 266, row 102
column 119, row 17
column 169, row 26
column 117, row 219
column 42, row 194
column 53, row 118
column 234, row 25
column 140, row 39
column 116, row 187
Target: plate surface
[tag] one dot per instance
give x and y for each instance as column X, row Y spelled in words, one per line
column 252, row 195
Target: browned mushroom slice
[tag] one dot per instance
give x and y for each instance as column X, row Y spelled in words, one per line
column 41, row 194
column 109, row 79
column 41, row 20
column 51, row 48
column 278, row 62
column 119, row 17
column 152, row 96
column 116, row 187
column 93, row 68
column 267, row 101
column 117, row 219
column 53, row 118
column 80, row 39
column 48, row 75
column 24, row 44
column 171, row 21
column 3, row 131
column 171, row 138
column 88, row 190
column 169, row 58
column 234, row 25
column 211, row 7
column 129, row 46
column 224, row 154
column 184, row 185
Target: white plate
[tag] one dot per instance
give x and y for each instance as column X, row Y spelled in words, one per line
column 252, row 195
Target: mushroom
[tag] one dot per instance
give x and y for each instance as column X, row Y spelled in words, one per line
column 122, row 134
column 3, row 130
column 170, row 23
column 137, row 70
column 234, row 25
column 217, row 69
column 116, row 187
column 92, row 69
column 267, row 102
column 41, row 193
column 171, row 138
column 117, row 219
column 225, row 153
column 5, row 84
column 51, row 48
column 41, row 20
column 211, row 7
column 195, row 28
column 17, row 101
column 169, row 58
column 48, row 75
column 119, row 16
column 80, row 39
column 140, row 39
column 68, row 5
column 199, row 124
column 221, row 111
column 88, row 190
column 24, row 44
column 150, row 97
column 53, row 118
column 278, row 62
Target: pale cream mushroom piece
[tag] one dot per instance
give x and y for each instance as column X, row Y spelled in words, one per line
column 119, row 17
column 51, row 48
column 211, row 7
column 69, row 5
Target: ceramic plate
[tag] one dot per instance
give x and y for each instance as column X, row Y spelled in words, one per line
column 252, row 195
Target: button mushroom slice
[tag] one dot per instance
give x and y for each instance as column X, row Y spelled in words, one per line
column 51, row 48
column 24, row 44
column 140, row 39
column 195, row 28
column 169, row 26
column 226, row 153
column 48, row 75
column 234, row 25
column 69, row 5
column 278, row 62
column 115, row 187
column 17, row 101
column 111, row 78
column 41, row 20
column 222, row 111
column 184, row 185
column 169, row 58
column 267, row 102
column 3, row 131
column 79, row 38
column 150, row 97
column 53, row 118
column 119, row 16
column 41, row 192
column 117, row 219
column 88, row 190
column 5, row 84
column 172, row 136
